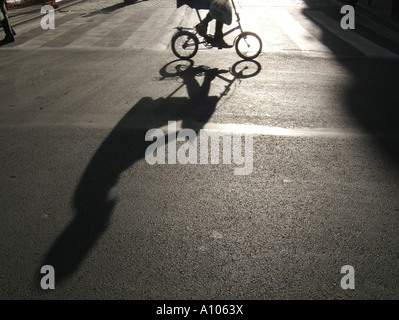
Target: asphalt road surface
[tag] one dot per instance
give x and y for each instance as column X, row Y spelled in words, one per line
column 78, row 193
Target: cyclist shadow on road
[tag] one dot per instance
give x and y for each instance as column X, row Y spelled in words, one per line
column 118, row 152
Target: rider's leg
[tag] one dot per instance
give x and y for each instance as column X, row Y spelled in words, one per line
column 219, row 30
column 207, row 19
column 202, row 27
column 219, row 41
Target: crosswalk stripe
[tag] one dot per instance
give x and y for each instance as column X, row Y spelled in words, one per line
column 92, row 36
column 191, row 19
column 299, row 35
column 367, row 47
column 273, row 37
column 147, row 32
column 166, row 32
column 253, row 129
column 377, row 28
column 45, row 36
column 153, row 28
column 270, row 3
column 166, row 20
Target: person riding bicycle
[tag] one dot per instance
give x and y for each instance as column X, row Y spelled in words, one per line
column 220, row 10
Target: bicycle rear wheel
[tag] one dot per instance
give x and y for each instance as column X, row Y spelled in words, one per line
column 248, row 45
column 184, row 44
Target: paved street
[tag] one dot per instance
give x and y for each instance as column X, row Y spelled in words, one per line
column 78, row 193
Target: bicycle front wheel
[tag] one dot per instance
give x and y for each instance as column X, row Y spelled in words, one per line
column 184, row 44
column 248, row 45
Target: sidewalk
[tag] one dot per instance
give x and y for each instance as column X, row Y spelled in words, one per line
column 379, row 9
column 18, row 4
column 27, row 12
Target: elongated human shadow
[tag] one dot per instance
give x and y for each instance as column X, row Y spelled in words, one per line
column 119, row 151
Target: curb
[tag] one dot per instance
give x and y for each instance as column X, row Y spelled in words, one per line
column 29, row 3
column 386, row 19
column 366, row 9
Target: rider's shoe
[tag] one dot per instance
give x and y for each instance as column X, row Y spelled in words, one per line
column 201, row 29
column 221, row 44
column 7, row 39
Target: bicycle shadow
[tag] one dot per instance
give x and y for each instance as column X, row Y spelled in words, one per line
column 123, row 147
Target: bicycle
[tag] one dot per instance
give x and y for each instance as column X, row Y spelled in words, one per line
column 185, row 41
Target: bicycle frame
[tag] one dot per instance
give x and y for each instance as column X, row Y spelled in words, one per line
column 190, row 38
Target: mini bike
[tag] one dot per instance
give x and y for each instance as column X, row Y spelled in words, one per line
column 185, row 41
